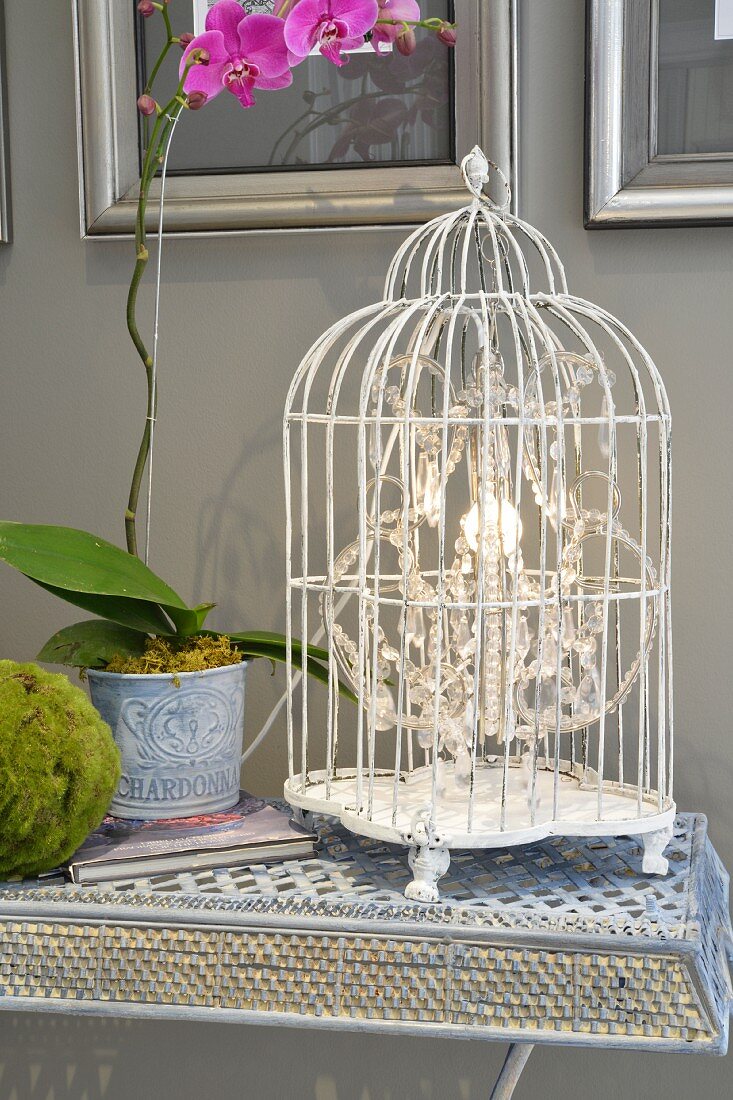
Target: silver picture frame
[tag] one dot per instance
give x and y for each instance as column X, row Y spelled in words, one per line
column 485, row 113
column 5, row 225
column 627, row 181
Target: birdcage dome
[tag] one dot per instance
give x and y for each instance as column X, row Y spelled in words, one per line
column 477, row 492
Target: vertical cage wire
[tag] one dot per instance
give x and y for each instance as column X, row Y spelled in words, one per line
column 472, row 461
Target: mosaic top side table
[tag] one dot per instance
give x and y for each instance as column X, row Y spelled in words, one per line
column 563, row 941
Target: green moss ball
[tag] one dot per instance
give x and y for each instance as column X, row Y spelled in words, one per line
column 59, row 768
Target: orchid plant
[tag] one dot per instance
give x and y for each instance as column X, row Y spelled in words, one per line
column 241, row 53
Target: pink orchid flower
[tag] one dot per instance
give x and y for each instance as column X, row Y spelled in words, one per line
column 400, row 11
column 330, row 25
column 245, row 52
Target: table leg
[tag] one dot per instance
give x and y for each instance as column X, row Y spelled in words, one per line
column 511, row 1071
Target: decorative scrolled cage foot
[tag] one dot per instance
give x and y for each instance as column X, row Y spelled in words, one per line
column 304, row 818
column 428, row 858
column 428, row 865
column 654, row 862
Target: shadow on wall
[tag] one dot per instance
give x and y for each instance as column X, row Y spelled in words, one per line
column 233, row 545
column 76, row 1058
column 84, row 1058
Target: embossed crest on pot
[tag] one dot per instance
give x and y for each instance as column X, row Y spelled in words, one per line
column 180, row 739
column 193, row 726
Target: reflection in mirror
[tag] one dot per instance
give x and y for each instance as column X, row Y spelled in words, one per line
column 695, row 92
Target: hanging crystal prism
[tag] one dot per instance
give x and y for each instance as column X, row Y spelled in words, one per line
column 568, row 628
column 588, row 695
column 421, row 481
column 604, row 442
column 386, row 712
column 464, row 638
column 373, row 437
column 523, row 639
column 415, row 626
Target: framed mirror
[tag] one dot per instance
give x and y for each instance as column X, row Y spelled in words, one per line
column 376, row 142
column 5, row 236
column 659, row 113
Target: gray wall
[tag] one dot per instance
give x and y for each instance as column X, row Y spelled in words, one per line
column 237, row 314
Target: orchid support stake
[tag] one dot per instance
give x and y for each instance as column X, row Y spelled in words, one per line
column 152, row 412
column 165, row 122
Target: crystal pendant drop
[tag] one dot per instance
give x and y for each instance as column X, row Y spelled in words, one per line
column 604, row 442
column 421, row 481
column 415, row 626
column 432, row 494
column 588, row 695
column 468, row 719
column 554, row 496
column 568, row 628
column 524, row 638
column 464, row 638
column 503, row 451
column 548, row 696
column 373, row 445
column 425, row 739
column 549, row 651
column 386, row 713
column 462, row 769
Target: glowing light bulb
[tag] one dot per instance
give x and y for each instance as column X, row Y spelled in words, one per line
column 509, row 523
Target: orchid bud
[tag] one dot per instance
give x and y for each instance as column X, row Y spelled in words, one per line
column 146, row 8
column 146, row 105
column 447, row 34
column 196, row 100
column 185, row 39
column 406, row 42
column 201, row 57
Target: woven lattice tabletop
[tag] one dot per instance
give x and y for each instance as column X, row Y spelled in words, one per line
column 562, row 941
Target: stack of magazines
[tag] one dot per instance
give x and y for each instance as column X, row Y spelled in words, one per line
column 251, row 832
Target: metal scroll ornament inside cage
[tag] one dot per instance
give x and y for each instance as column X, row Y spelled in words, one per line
column 478, row 513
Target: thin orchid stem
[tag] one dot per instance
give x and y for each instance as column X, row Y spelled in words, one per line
column 170, row 40
column 161, row 130
column 433, row 24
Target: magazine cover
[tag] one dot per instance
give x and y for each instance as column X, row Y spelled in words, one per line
column 251, row 822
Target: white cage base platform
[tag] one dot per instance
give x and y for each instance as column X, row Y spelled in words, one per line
column 569, row 807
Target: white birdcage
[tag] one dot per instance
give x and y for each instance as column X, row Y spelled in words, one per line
column 478, row 511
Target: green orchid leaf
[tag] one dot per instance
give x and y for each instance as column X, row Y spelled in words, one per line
column 276, row 651
column 135, row 614
column 269, row 638
column 77, row 561
column 319, row 672
column 91, row 644
column 190, row 621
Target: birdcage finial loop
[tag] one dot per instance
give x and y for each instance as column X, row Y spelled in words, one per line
column 476, row 169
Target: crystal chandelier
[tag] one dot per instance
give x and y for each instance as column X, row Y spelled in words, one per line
column 454, row 463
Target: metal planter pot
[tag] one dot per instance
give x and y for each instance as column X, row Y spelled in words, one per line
column 180, row 738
